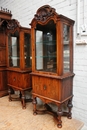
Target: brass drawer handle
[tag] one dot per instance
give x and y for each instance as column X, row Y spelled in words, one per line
column 45, row 87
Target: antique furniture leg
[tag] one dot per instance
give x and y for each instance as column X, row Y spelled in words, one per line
column 69, row 108
column 34, row 105
column 23, row 100
column 60, row 113
column 20, row 95
column 9, row 91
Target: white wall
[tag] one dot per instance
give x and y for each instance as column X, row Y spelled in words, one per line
column 24, row 10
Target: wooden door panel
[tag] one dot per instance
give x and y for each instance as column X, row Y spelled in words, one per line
column 19, row 80
column 46, row 87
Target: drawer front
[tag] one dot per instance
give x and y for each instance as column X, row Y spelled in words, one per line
column 47, row 87
column 14, row 79
column 19, row 80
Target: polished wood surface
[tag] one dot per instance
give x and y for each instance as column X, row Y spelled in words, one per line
column 53, row 81
column 5, row 15
column 18, row 68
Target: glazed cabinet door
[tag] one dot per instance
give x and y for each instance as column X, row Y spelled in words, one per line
column 46, row 48
column 13, row 50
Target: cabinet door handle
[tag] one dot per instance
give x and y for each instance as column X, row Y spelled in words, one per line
column 45, row 87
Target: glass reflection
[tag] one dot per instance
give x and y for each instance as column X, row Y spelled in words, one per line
column 66, row 50
column 13, row 46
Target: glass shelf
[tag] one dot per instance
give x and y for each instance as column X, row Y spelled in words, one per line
column 47, row 42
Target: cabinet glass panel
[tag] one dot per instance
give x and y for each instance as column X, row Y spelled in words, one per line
column 13, row 46
column 66, row 50
column 27, row 50
column 46, row 47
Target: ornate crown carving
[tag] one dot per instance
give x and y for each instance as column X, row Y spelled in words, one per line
column 44, row 12
column 12, row 24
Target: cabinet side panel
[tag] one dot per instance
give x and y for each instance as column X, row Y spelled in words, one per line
column 27, row 80
column 67, row 88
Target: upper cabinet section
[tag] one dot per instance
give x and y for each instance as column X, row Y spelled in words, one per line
column 5, row 16
column 52, row 42
column 19, row 46
column 46, row 59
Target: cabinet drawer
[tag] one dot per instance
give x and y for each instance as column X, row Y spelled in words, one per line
column 55, row 89
column 19, row 80
column 46, row 87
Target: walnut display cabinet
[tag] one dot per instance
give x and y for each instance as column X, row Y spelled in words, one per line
column 5, row 16
column 52, row 61
column 18, row 60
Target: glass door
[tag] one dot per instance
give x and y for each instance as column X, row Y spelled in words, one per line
column 27, row 50
column 14, row 50
column 45, row 55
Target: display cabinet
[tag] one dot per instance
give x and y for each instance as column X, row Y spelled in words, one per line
column 18, row 60
column 52, row 61
column 5, row 16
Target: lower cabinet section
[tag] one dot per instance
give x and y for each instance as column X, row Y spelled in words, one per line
column 3, row 82
column 56, row 90
column 19, row 81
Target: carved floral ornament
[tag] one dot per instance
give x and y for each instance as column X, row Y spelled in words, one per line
column 43, row 13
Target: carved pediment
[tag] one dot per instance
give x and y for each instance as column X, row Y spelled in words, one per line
column 44, row 13
column 12, row 24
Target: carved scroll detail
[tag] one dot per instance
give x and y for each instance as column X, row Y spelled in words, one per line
column 12, row 24
column 44, row 13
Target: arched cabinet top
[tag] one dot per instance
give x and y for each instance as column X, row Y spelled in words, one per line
column 46, row 13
